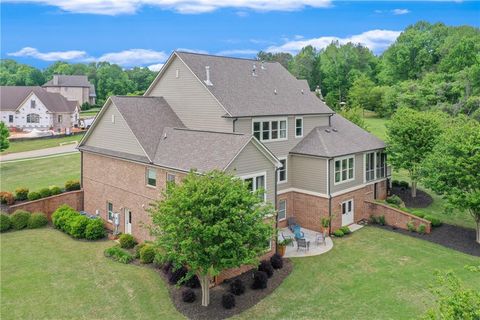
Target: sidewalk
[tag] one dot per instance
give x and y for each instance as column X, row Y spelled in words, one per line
column 69, row 148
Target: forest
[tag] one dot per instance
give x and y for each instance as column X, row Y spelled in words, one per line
column 428, row 67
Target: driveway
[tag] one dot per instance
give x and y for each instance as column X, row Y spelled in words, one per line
column 69, row 148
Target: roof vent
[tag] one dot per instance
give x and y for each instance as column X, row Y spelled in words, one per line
column 165, row 136
column 207, row 81
column 263, row 65
column 274, row 91
column 327, row 130
column 254, row 69
column 334, row 130
column 302, row 91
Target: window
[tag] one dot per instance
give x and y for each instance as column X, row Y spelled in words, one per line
column 151, row 177
column 10, row 118
column 381, row 159
column 170, row 178
column 298, row 127
column 282, row 172
column 370, row 166
column 33, row 118
column 109, row 211
column 32, row 104
column 344, row 169
column 270, row 130
column 59, row 118
column 256, row 183
column 282, row 210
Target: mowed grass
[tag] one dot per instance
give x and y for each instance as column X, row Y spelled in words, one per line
column 90, row 112
column 36, row 144
column 371, row 274
column 39, row 173
column 47, row 275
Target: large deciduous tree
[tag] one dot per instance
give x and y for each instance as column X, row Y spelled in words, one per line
column 411, row 137
column 4, row 134
column 453, row 168
column 210, row 223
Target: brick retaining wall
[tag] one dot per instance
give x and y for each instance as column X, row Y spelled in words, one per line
column 48, row 205
column 395, row 217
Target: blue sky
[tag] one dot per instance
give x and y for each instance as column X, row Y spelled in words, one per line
column 144, row 32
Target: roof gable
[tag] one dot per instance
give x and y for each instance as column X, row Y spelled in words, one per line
column 12, row 97
column 69, row 81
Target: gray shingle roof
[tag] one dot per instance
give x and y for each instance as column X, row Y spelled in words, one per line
column 243, row 94
column 69, row 81
column 12, row 96
column 147, row 117
column 341, row 138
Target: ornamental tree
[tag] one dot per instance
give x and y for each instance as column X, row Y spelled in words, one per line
column 4, row 134
column 211, row 222
column 453, row 168
column 411, row 136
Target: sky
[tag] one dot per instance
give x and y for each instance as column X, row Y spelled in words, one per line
column 145, row 32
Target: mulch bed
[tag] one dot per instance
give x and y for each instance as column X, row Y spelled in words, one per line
column 215, row 310
column 422, row 200
column 450, row 236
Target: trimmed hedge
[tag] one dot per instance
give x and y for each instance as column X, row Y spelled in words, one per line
column 237, row 287
column 260, row 280
column 95, row 229
column 277, row 261
column 345, row 230
column 118, row 254
column 45, row 192
column 266, row 267
column 37, row 220
column 422, row 229
column 7, row 198
column 394, row 200
column 54, row 190
column 20, row 219
column 338, row 233
column 127, row 241
column 434, row 221
column 228, row 301
column 147, row 253
column 5, row 223
column 72, row 185
column 21, row 194
column 34, row 196
column 79, row 226
column 188, row 296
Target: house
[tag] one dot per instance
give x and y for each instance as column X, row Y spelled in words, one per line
column 26, row 108
column 74, row 88
column 239, row 115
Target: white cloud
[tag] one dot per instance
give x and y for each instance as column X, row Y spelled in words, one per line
column 155, row 67
column 237, row 52
column 400, row 11
column 376, row 40
column 50, row 56
column 113, row 7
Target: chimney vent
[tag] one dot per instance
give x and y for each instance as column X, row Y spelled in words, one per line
column 327, row 130
column 207, row 81
column 302, row 91
column 274, row 91
column 55, row 79
column 334, row 130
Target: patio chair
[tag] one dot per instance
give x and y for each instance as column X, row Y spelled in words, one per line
column 319, row 238
column 297, row 231
column 303, row 244
column 284, row 237
column 291, row 223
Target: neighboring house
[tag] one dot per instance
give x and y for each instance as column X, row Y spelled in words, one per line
column 35, row 108
column 243, row 116
column 74, row 88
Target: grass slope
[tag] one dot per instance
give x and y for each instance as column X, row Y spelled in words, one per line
column 36, row 144
column 39, row 173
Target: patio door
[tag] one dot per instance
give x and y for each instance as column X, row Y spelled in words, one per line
column 347, row 212
column 128, row 221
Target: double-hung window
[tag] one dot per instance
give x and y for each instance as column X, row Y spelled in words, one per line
column 381, row 159
column 151, row 177
column 344, row 169
column 257, row 182
column 282, row 210
column 270, row 130
column 109, row 211
column 375, row 165
column 282, row 172
column 298, row 127
column 170, row 178
column 370, row 166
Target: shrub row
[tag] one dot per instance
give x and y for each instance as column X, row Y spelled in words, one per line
column 78, row 226
column 22, row 219
column 23, row 193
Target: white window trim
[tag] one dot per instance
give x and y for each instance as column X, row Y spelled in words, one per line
column 261, row 120
column 303, row 125
column 146, row 177
column 375, row 177
column 347, row 180
column 284, row 200
column 286, row 171
column 254, row 175
column 347, row 201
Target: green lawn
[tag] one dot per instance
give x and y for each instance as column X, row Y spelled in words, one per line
column 38, row 173
column 46, row 274
column 90, row 112
column 40, row 144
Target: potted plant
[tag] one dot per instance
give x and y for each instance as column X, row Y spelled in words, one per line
column 282, row 246
column 325, row 226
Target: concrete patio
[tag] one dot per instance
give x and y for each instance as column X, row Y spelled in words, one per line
column 310, row 235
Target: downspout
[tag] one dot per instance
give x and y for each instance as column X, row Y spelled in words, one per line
column 276, row 211
column 233, row 122
column 329, row 198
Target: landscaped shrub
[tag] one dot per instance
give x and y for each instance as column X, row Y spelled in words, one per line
column 417, row 213
column 37, row 220
column 345, row 230
column 193, row 282
column 127, row 241
column 434, row 221
column 411, row 226
column 54, row 190
column 266, row 267
column 381, row 220
column 237, row 287
column 62, row 215
column 77, row 226
column 403, row 184
column 395, row 183
column 228, row 301
column 19, row 219
column 137, row 249
column 118, row 254
column 177, row 275
column 5, row 223
column 21, row 194
column 147, row 253
column 277, row 261
column 338, row 233
column 71, row 185
column 422, row 229
column 7, row 198
column 45, row 192
column 188, row 296
column 373, row 219
column 34, row 196
column 260, row 280
column 95, row 229
column 394, row 200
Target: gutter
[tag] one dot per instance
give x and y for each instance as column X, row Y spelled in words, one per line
column 276, row 211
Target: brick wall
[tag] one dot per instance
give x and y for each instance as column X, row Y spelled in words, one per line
column 48, row 205
column 395, row 217
column 230, row 273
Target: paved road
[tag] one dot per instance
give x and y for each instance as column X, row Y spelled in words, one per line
column 68, row 148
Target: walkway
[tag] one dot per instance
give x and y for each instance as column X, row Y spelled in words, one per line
column 310, row 235
column 69, row 148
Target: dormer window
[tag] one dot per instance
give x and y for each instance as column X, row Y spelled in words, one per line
column 270, row 130
column 32, row 104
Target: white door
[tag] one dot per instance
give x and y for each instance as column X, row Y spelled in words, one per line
column 347, row 212
column 128, row 221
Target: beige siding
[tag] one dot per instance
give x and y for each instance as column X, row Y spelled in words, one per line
column 359, row 175
column 309, row 173
column 115, row 136
column 190, row 100
column 252, row 161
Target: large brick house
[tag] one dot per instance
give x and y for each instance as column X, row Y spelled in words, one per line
column 243, row 116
